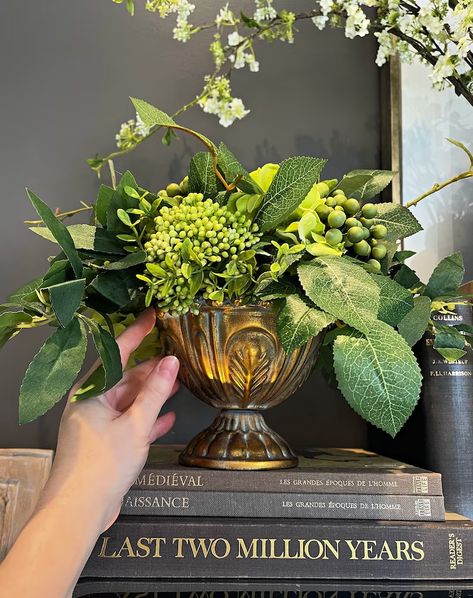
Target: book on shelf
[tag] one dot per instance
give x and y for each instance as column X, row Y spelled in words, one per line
column 219, row 548
column 394, row 507
column 324, row 470
column 258, row 589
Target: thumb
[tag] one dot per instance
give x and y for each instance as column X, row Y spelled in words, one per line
column 157, row 388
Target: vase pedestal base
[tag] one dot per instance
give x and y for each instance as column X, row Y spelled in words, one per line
column 238, row 439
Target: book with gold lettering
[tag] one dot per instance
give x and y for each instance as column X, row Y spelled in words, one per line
column 322, row 470
column 220, row 548
column 393, row 507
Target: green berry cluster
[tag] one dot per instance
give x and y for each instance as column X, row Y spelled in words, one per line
column 346, row 220
column 194, row 251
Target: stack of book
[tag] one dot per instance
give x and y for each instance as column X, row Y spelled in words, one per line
column 341, row 514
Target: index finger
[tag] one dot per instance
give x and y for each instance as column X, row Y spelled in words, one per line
column 130, row 339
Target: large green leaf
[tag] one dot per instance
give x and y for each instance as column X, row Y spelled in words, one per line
column 232, row 169
column 116, row 286
column 414, row 323
column 298, row 322
column 394, row 300
column 9, row 321
column 447, row 277
column 86, row 236
column 378, row 375
column 109, row 372
column 59, row 231
column 53, row 370
column 399, row 221
column 365, row 184
column 292, row 183
column 202, row 177
column 341, row 288
column 66, row 298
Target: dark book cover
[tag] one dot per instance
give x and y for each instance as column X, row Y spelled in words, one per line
column 200, row 548
column 447, row 412
column 325, row 470
column 281, row 589
column 394, row 507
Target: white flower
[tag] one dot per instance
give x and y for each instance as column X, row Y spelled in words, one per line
column 235, row 38
column 183, row 31
column 433, row 24
column 443, row 68
column 225, row 17
column 357, row 24
column 253, row 64
column 141, row 128
column 264, row 10
column 326, row 6
column 320, row 21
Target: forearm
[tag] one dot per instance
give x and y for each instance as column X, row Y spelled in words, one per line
column 52, row 549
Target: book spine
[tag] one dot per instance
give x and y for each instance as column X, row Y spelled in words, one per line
column 199, row 548
column 447, row 410
column 251, row 504
column 287, row 481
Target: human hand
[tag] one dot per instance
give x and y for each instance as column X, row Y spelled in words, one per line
column 104, row 441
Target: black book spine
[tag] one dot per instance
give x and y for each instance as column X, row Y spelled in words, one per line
column 287, row 481
column 447, row 409
column 199, row 548
column 253, row 504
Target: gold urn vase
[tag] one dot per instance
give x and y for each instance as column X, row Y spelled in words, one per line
column 231, row 358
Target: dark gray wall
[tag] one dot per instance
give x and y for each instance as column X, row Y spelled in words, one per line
column 68, row 68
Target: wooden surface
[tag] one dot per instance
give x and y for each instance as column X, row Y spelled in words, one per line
column 23, row 473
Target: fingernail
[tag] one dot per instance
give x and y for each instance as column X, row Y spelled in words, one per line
column 168, row 366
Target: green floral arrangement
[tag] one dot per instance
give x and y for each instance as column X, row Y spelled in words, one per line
column 318, row 252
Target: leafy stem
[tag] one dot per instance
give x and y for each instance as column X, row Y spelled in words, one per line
column 63, row 215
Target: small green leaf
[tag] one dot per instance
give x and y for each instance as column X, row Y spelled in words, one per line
column 124, row 217
column 66, row 298
column 216, row 295
column 310, row 222
column 446, row 277
column 139, row 257
column 451, row 354
column 342, row 289
column 415, row 322
column 53, row 370
column 157, row 270
column 292, row 183
column 401, row 256
column 150, row 115
column 406, row 277
column 26, row 292
column 269, row 289
column 202, row 177
column 109, row 372
column 104, row 197
column 378, row 375
column 132, row 192
column 232, row 169
column 298, row 322
column 58, row 272
column 448, row 337
column 58, row 230
column 9, row 321
column 365, row 184
column 394, row 300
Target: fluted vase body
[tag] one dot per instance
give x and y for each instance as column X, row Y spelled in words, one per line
column 231, row 358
